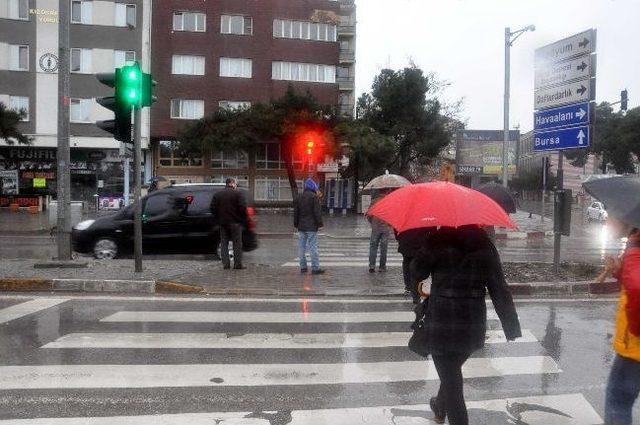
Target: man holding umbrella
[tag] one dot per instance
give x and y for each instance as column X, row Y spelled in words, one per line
column 621, row 195
column 380, row 230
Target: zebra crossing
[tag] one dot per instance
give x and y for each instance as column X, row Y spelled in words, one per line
column 245, row 361
column 350, row 253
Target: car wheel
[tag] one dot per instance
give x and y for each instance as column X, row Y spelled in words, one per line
column 105, row 249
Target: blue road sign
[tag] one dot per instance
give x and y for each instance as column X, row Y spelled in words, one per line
column 565, row 116
column 562, row 138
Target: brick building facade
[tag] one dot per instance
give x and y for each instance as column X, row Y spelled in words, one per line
column 234, row 53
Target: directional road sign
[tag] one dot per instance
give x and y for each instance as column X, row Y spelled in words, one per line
column 565, row 116
column 580, row 44
column 563, row 138
column 579, row 91
column 554, row 74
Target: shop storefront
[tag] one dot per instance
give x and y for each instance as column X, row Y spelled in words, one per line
column 28, row 175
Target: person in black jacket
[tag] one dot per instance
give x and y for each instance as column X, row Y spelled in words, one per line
column 229, row 209
column 307, row 218
column 409, row 243
column 464, row 264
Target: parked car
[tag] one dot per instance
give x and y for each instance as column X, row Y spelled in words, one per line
column 597, row 212
column 176, row 219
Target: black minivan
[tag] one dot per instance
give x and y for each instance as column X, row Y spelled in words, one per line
column 175, row 219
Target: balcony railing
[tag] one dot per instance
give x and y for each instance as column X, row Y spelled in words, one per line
column 347, row 109
column 347, row 28
column 347, row 55
column 346, row 83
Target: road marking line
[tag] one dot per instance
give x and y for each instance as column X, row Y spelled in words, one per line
column 24, row 309
column 343, row 264
column 251, row 341
column 223, row 375
column 563, row 409
column 267, row 317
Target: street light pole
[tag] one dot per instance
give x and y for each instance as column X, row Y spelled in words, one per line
column 507, row 84
column 508, row 42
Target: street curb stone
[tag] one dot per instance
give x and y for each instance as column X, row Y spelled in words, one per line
column 542, row 289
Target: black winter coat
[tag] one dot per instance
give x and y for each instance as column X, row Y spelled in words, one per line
column 307, row 214
column 464, row 264
column 229, row 206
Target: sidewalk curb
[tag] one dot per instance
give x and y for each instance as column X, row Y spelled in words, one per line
column 540, row 289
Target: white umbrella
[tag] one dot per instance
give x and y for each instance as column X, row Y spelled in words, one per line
column 386, row 181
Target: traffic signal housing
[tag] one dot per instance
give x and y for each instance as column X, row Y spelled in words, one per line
column 624, row 99
column 120, row 125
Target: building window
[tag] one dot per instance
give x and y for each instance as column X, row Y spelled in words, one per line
column 269, row 157
column 80, row 110
column 188, row 65
column 243, row 181
column 81, row 60
column 18, row 104
column 314, row 73
column 18, row 58
column 189, row 21
column 125, row 15
column 234, row 105
column 171, row 156
column 123, row 58
column 273, row 188
column 18, row 9
column 231, row 24
column 229, row 160
column 235, row 67
column 187, row 109
column 303, row 30
column 81, row 12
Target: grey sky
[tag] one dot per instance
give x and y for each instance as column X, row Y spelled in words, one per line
column 462, row 41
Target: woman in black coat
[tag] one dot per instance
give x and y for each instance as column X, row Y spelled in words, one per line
column 464, row 264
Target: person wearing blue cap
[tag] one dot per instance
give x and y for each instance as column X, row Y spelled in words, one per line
column 307, row 218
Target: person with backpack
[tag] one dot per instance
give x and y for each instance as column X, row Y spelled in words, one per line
column 307, row 218
column 624, row 381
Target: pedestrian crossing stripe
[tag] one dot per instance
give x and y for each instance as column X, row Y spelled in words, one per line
column 251, row 341
column 255, row 375
column 267, row 317
column 349, row 263
column 562, row 409
column 29, row 307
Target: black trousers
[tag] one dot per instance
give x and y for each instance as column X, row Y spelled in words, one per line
column 451, row 395
column 409, row 285
column 233, row 233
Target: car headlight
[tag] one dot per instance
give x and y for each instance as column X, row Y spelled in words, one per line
column 84, row 225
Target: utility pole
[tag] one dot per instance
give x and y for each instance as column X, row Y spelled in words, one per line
column 137, row 214
column 507, row 88
column 544, row 185
column 63, row 236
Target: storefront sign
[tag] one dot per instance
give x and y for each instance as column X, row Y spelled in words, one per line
column 31, row 154
column 28, row 175
column 23, row 201
column 9, row 182
column 96, row 155
column 328, row 168
column 39, row 182
column 110, row 202
column 46, row 16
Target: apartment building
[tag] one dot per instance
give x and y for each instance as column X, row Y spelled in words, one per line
column 231, row 54
column 104, row 34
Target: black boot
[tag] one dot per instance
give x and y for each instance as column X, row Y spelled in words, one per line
column 438, row 412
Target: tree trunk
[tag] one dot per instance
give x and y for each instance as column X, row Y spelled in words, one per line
column 291, row 173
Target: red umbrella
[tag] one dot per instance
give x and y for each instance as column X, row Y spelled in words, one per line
column 439, row 204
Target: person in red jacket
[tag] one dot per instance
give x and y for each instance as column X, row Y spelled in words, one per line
column 623, row 387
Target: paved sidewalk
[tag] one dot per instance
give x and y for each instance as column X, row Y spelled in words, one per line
column 270, row 280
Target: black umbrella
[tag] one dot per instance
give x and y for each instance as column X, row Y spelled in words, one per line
column 620, row 195
column 500, row 194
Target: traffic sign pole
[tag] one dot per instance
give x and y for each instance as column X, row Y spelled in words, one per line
column 137, row 221
column 507, row 84
column 557, row 236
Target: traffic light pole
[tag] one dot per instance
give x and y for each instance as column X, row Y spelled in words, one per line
column 137, row 221
column 63, row 235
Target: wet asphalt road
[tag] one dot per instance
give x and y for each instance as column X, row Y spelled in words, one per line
column 294, row 361
column 588, row 244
